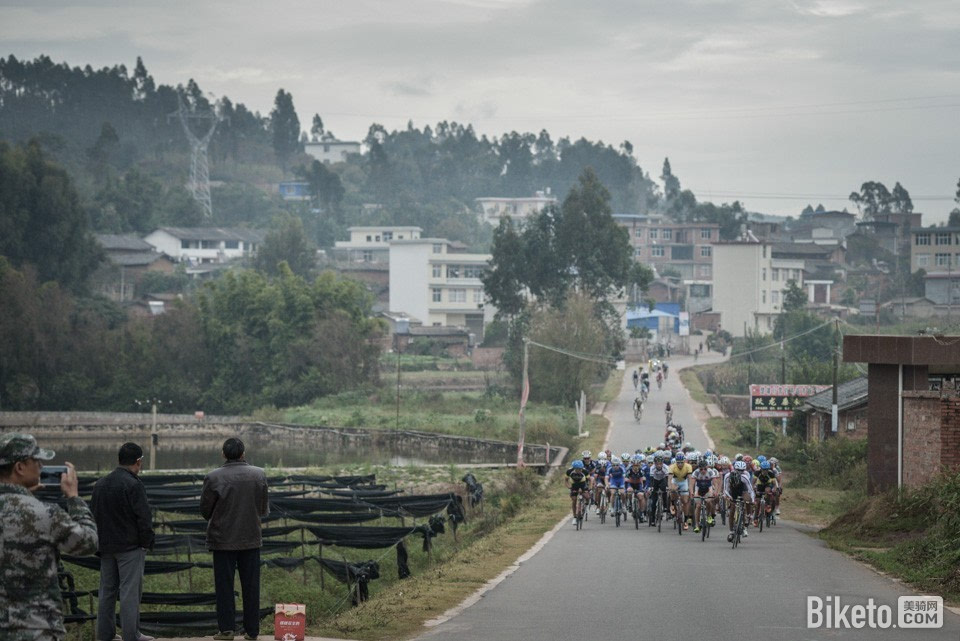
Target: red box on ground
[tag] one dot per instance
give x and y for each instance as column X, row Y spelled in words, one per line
column 290, row 622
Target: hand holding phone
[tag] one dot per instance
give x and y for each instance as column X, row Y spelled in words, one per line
column 68, row 482
column 50, row 475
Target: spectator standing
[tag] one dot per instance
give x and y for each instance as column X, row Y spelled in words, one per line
column 31, row 534
column 233, row 499
column 125, row 524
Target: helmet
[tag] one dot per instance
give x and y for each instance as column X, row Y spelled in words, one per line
column 702, row 462
column 602, row 456
column 662, row 446
column 687, row 444
column 740, row 466
column 680, row 457
column 708, row 453
column 773, row 461
column 724, row 461
column 739, row 456
column 616, row 460
column 578, row 465
column 658, row 457
column 765, row 465
column 761, row 458
column 586, row 454
column 625, row 456
column 747, row 459
column 711, row 460
column 650, row 459
column 695, row 455
column 637, row 459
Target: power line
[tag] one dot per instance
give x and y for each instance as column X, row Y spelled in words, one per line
column 596, row 358
column 780, row 342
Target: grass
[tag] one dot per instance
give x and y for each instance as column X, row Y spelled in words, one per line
column 690, row 380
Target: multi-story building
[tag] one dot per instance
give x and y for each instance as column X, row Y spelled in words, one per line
column 517, row 209
column 435, row 281
column 749, row 279
column 332, row 150
column 663, row 243
column 936, row 250
column 372, row 244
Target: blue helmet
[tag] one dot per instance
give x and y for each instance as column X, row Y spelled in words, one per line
column 578, row 465
column 761, row 458
column 680, row 457
column 765, row 465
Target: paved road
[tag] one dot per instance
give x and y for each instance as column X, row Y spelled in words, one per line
column 619, row 582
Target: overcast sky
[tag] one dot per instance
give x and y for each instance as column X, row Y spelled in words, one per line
column 775, row 102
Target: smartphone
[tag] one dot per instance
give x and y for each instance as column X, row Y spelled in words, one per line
column 50, row 475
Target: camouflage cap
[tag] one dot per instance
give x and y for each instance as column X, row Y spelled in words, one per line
column 18, row 447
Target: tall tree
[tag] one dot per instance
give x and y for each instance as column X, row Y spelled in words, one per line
column 285, row 127
column 287, row 243
column 872, row 199
column 900, row 202
column 671, row 184
column 316, row 129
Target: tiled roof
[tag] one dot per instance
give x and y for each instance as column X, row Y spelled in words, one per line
column 125, row 242
column 139, row 259
column 216, row 233
column 849, row 394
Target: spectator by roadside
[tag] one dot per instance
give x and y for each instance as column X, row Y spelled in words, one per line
column 31, row 534
column 233, row 499
column 125, row 525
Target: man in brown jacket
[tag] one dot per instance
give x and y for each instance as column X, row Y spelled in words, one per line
column 234, row 498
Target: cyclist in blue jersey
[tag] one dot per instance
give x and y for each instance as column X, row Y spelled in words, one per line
column 637, row 484
column 616, row 477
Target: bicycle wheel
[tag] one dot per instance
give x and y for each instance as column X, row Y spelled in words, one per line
column 763, row 513
column 679, row 517
column 659, row 513
column 636, row 512
column 603, row 508
column 616, row 509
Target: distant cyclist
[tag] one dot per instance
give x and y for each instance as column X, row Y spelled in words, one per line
column 636, row 379
column 666, row 370
column 669, row 412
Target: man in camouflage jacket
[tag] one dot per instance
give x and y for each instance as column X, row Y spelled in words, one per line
column 31, row 534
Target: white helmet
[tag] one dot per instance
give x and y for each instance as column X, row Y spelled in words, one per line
column 650, row 459
column 724, row 461
column 586, row 454
column 602, row 456
column 711, row 460
column 773, row 461
column 615, row 460
column 662, row 446
column 687, row 444
column 738, row 457
column 740, row 466
column 625, row 456
column 693, row 457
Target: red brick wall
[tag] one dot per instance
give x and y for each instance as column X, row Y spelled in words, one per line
column 922, row 413
column 950, row 432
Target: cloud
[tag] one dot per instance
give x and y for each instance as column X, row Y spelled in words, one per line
column 419, row 87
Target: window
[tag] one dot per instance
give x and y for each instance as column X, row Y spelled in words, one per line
column 942, row 260
column 763, row 296
column 639, row 232
column 656, row 251
column 637, row 251
column 438, row 248
column 369, row 238
column 706, row 251
column 943, row 238
column 704, row 234
column 654, row 234
column 387, row 236
column 478, row 296
column 705, row 271
column 458, row 295
column 437, row 271
column 436, row 294
column 775, row 298
column 184, row 244
column 453, row 271
column 764, row 251
column 232, row 244
column 774, row 274
column 209, row 244
column 923, row 239
column 923, row 260
column 763, row 273
column 472, row 271
column 666, row 234
column 367, row 256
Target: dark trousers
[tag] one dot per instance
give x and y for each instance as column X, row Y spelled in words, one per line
column 246, row 563
column 121, row 574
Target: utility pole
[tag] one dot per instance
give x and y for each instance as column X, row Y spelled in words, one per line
column 524, row 394
column 836, row 360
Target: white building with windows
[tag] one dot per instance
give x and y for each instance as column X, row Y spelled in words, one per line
column 330, row 151
column 492, row 209
column 372, row 244
column 202, row 245
column 748, row 284
column 434, row 280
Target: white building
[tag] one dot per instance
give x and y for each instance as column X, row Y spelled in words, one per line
column 517, row 209
column 205, row 244
column 433, row 280
column 328, row 151
column 748, row 284
column 372, row 244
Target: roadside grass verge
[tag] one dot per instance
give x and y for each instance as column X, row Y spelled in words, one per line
column 690, row 380
column 913, row 535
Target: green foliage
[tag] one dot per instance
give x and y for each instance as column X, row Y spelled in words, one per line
column 794, row 298
column 874, row 198
column 284, row 127
column 286, row 243
column 495, row 333
column 41, row 221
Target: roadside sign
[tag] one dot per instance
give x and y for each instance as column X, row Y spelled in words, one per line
column 684, row 324
column 779, row 400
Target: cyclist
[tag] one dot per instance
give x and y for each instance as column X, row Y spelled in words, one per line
column 666, row 371
column 766, row 485
column 704, row 477
column 599, row 478
column 577, row 481
column 775, row 466
column 659, row 379
column 657, row 484
column 736, row 484
column 669, row 412
column 679, row 485
column 636, row 379
column 636, row 484
column 616, row 474
column 588, row 464
column 637, row 408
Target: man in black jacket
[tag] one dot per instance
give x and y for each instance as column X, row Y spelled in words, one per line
column 125, row 525
column 233, row 499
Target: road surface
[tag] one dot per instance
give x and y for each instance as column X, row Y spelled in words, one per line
column 605, row 581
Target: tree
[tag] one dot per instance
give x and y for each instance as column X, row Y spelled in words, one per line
column 671, row 184
column 900, row 202
column 873, row 199
column 954, row 219
column 286, row 243
column 794, row 298
column 316, row 129
column 285, row 127
column 41, row 220
column 326, row 190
